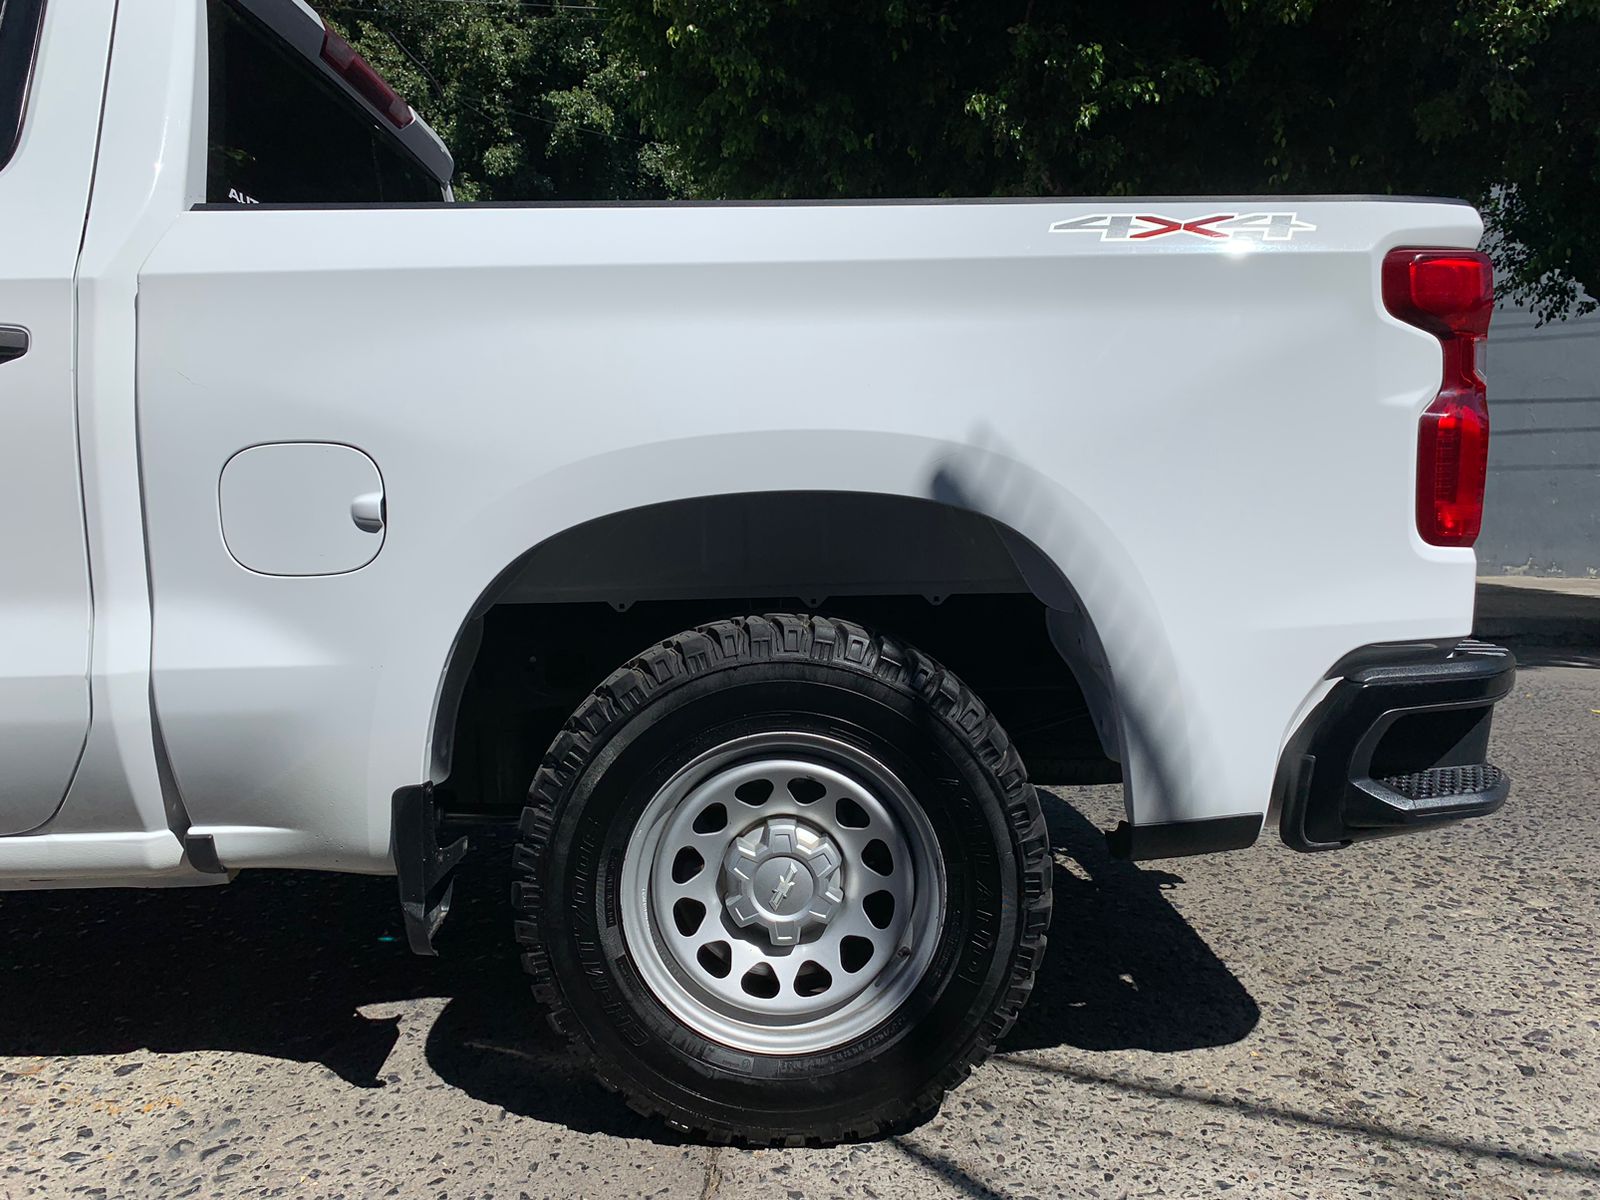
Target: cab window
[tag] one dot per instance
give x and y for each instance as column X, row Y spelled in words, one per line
column 283, row 133
column 19, row 37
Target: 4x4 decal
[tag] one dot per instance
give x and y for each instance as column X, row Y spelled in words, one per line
column 1128, row 227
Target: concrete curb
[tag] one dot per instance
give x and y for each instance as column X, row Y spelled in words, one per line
column 1562, row 612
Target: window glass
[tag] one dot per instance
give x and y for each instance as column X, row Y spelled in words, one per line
column 283, row 133
column 19, row 37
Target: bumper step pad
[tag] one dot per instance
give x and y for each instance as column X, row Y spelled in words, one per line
column 1400, row 802
column 1426, row 788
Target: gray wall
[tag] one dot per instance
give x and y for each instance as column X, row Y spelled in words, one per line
column 1542, row 513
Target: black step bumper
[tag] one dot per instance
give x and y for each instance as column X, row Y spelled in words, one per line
column 1399, row 744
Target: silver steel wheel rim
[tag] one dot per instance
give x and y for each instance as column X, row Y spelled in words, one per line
column 820, row 890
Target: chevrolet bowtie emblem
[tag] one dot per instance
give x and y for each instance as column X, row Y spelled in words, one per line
column 785, row 885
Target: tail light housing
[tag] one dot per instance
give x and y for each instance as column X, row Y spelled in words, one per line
column 359, row 74
column 1449, row 293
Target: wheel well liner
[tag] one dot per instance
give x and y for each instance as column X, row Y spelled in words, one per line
column 946, row 578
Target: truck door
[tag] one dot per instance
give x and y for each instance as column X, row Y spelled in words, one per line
column 52, row 73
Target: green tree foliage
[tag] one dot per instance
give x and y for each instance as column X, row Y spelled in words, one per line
column 523, row 93
column 1494, row 100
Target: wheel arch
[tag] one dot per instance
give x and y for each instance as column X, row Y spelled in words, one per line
column 721, row 550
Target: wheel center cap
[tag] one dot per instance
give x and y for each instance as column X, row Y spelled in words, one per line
column 783, row 886
column 782, row 876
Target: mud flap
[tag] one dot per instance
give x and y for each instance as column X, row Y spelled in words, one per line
column 426, row 869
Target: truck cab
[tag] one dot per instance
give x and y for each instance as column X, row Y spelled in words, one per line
column 284, row 111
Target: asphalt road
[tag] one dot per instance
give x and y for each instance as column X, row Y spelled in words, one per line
column 1420, row 1017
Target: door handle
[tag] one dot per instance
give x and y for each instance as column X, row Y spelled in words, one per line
column 366, row 510
column 13, row 342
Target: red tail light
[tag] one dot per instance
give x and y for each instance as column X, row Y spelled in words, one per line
column 358, row 73
column 1450, row 293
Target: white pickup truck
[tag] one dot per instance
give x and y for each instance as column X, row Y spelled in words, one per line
column 757, row 560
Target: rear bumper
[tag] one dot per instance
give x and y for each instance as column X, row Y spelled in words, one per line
column 1399, row 744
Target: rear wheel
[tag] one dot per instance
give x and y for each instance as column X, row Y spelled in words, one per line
column 782, row 880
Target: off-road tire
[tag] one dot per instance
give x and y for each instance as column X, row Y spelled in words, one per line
column 718, row 681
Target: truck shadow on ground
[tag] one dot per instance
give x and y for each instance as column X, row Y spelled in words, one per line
column 281, row 965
